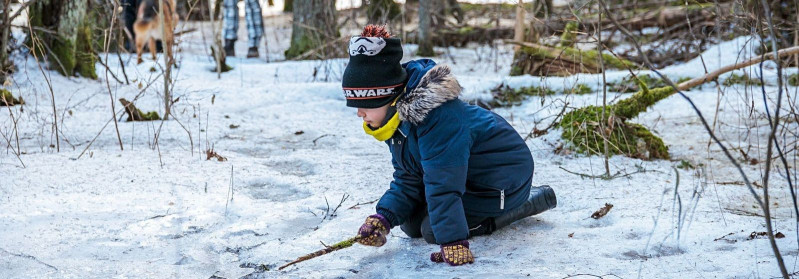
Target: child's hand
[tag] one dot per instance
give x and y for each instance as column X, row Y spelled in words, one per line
column 374, row 230
column 455, row 253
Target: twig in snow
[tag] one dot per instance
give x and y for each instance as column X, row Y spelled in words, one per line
column 191, row 140
column 618, row 174
column 654, row 226
column 335, row 247
column 17, row 151
column 98, row 134
column 29, row 257
column 537, row 133
column 319, row 137
column 332, row 214
column 230, row 190
column 677, row 201
column 106, row 66
column 362, row 203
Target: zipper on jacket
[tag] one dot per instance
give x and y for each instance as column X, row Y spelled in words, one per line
column 502, row 199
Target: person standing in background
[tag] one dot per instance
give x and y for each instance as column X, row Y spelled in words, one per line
column 255, row 26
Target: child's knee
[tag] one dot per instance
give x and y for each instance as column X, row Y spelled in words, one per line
column 411, row 230
column 429, row 237
column 427, row 231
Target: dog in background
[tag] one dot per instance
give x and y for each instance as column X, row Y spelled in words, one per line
column 149, row 23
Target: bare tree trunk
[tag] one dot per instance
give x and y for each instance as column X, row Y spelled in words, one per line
column 314, row 24
column 518, row 32
column 6, row 27
column 424, row 35
column 69, row 47
column 288, row 5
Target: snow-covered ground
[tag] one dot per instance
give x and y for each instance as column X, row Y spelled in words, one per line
column 294, row 150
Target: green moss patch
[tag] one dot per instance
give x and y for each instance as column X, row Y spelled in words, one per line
column 569, row 36
column 629, row 84
column 505, row 96
column 582, row 129
column 579, row 89
column 7, row 99
column 740, row 79
column 563, row 61
column 302, row 45
column 793, row 80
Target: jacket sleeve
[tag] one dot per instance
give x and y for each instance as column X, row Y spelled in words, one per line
column 402, row 197
column 444, row 145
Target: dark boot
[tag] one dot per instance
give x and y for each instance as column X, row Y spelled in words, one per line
column 252, row 52
column 541, row 199
column 230, row 51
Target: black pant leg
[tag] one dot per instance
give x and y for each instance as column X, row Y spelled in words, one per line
column 475, row 223
column 129, row 8
column 413, row 226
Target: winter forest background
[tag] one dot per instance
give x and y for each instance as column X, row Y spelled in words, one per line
column 680, row 117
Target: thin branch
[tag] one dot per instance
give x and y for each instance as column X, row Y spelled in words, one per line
column 363, row 203
column 107, row 43
column 34, row 41
column 772, row 140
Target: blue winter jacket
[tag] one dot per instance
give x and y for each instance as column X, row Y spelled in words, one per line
column 452, row 157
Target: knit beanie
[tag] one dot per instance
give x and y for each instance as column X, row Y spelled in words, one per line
column 374, row 76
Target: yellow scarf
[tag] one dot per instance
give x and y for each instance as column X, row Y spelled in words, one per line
column 384, row 133
column 387, row 131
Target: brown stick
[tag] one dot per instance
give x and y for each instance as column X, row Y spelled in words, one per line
column 335, row 247
column 714, row 74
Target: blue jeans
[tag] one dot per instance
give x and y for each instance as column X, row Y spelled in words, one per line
column 252, row 16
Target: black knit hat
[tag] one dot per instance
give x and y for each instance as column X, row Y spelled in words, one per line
column 374, row 75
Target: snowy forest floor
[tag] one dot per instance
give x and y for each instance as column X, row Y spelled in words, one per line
column 294, row 150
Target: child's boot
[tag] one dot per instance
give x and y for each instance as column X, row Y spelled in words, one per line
column 541, row 199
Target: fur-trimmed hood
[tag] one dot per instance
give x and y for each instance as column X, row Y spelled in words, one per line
column 436, row 87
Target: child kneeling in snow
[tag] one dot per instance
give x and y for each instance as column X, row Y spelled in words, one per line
column 459, row 170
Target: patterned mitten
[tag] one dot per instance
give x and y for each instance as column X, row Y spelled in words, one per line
column 455, row 253
column 374, row 230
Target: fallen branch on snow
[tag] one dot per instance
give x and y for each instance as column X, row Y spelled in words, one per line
column 335, row 247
